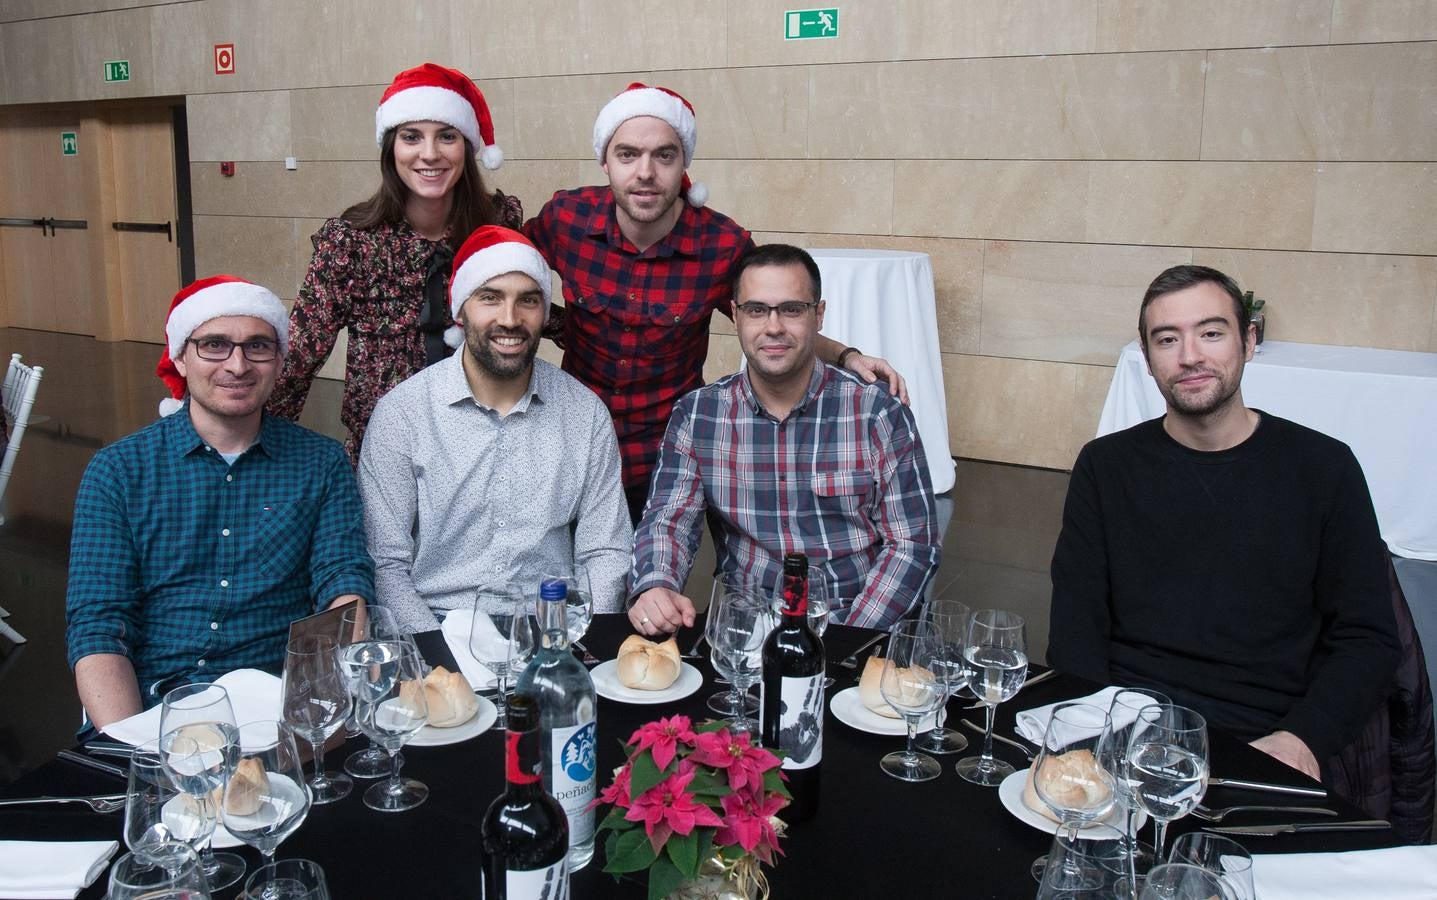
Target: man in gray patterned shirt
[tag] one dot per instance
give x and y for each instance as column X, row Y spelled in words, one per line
column 491, row 466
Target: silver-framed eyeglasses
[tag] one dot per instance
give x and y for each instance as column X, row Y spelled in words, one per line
column 216, row 349
column 788, row 309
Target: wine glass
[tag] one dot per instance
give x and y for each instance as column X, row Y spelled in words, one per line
column 1220, row 855
column 728, row 703
column 1167, row 764
column 580, row 610
column 950, row 619
column 136, row 877
column 363, row 622
column 1070, row 780
column 1181, row 881
column 266, row 798
column 288, row 879
column 742, row 623
column 156, row 816
column 1093, row 853
column 997, row 654
column 198, row 749
column 392, row 708
column 1113, row 756
column 316, row 703
column 491, row 635
column 820, row 606
column 910, row 687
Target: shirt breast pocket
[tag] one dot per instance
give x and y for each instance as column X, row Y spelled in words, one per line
column 600, row 297
column 842, row 493
column 283, row 532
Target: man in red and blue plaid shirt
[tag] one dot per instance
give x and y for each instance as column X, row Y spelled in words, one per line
column 789, row 455
column 643, row 272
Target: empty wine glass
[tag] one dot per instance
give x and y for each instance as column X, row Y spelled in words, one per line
column 997, row 654
column 316, row 703
column 579, row 611
column 728, row 703
column 134, row 877
column 288, row 879
column 950, row 620
column 198, row 749
column 392, row 708
column 266, row 798
column 491, row 634
column 1181, row 881
column 909, row 686
column 1093, row 853
column 1222, row 856
column 1113, row 756
column 364, row 622
column 742, row 622
column 157, row 819
column 1070, row 780
column 1168, row 764
column 820, row 607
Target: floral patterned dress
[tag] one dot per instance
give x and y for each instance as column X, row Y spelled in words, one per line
column 370, row 281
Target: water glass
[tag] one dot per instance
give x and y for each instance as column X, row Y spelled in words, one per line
column 1069, row 779
column 266, row 800
column 579, row 598
column 392, row 708
column 316, row 702
column 728, row 703
column 742, row 621
column 363, row 622
column 1167, row 764
column 157, row 816
column 133, row 877
column 1123, row 712
column 1094, row 854
column 287, row 879
column 1220, row 855
column 497, row 610
column 1181, row 881
column 950, row 619
column 910, row 687
column 198, row 748
column 997, row 656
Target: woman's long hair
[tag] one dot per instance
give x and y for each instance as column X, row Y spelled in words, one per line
column 472, row 206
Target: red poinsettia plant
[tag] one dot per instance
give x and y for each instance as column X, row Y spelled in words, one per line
column 687, row 794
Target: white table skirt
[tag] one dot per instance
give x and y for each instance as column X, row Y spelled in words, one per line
column 881, row 301
column 1381, row 403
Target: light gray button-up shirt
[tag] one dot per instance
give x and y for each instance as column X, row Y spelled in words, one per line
column 458, row 497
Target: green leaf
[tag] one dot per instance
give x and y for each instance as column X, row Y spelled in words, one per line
column 644, row 774
column 616, row 821
column 631, row 852
column 664, row 879
column 733, row 851
column 774, row 784
column 710, row 726
column 707, row 784
column 706, row 842
column 684, row 851
column 610, row 844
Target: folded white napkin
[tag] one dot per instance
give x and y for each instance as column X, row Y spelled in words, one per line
column 1396, row 873
column 455, row 628
column 1033, row 723
column 253, row 694
column 51, row 868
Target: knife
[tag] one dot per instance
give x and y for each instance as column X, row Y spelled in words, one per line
column 1296, row 827
column 81, row 759
column 851, row 660
column 1270, row 788
column 108, row 748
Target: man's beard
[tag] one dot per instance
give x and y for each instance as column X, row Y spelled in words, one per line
column 504, row 368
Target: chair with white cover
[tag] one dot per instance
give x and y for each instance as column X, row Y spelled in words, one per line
column 21, row 382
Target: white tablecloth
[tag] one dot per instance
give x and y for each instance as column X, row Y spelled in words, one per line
column 881, row 301
column 1381, row 403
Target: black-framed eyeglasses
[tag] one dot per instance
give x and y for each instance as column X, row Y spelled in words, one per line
column 788, row 309
column 214, row 349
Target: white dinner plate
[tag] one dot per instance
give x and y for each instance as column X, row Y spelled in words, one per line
column 1011, row 793
column 483, row 718
column 849, row 710
column 606, row 682
column 180, row 821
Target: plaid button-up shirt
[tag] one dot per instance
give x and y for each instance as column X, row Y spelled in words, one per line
column 635, row 325
column 842, row 479
column 192, row 567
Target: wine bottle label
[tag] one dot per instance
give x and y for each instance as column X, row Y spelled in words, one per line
column 573, row 778
column 800, row 721
column 795, row 595
column 551, row 883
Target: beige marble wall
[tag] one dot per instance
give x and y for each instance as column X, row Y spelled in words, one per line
column 1051, row 156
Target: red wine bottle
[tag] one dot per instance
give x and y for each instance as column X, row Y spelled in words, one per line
column 792, row 716
column 525, row 832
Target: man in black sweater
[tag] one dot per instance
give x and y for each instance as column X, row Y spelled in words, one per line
column 1221, row 554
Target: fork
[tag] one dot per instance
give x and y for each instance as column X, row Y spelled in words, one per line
column 1217, row 815
column 693, row 652
column 589, row 658
column 107, row 803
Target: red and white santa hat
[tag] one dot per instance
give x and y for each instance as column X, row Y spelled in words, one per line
column 433, row 93
column 211, row 298
column 638, row 99
column 491, row 251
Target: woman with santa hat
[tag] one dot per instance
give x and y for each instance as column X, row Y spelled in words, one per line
column 382, row 268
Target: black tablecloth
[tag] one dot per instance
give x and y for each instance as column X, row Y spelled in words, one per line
column 873, row 835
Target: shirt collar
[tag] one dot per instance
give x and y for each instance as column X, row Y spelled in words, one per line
column 184, row 440
column 453, row 387
column 682, row 239
column 816, row 381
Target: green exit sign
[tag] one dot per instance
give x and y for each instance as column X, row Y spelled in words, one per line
column 803, row 24
column 117, row 70
column 69, row 144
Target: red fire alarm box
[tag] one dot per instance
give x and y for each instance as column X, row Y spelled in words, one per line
column 227, row 169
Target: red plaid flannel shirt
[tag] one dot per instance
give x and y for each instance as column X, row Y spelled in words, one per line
column 635, row 325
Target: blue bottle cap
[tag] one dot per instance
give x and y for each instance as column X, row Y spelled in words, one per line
column 553, row 589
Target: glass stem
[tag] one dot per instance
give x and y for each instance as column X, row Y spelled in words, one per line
column 1131, row 840
column 1071, row 872
column 319, row 782
column 910, row 756
column 736, row 699
column 395, row 785
column 1160, row 833
column 503, row 705
column 941, row 717
column 987, row 757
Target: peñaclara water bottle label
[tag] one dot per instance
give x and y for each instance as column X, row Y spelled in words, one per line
column 573, row 778
column 800, row 721
column 550, row 883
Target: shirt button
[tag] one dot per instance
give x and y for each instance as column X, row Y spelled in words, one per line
column 214, row 626
column 225, row 532
column 623, row 362
column 676, row 318
column 631, row 295
column 628, row 328
column 229, row 478
column 209, row 449
column 200, row 663
column 224, row 582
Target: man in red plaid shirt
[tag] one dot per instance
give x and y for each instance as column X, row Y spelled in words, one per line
column 789, row 455
column 643, row 272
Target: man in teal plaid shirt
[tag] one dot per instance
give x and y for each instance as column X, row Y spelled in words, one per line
column 198, row 539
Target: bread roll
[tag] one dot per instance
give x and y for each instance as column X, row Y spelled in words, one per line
column 249, row 785
column 1072, row 779
column 647, row 666
column 869, row 690
column 449, row 696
